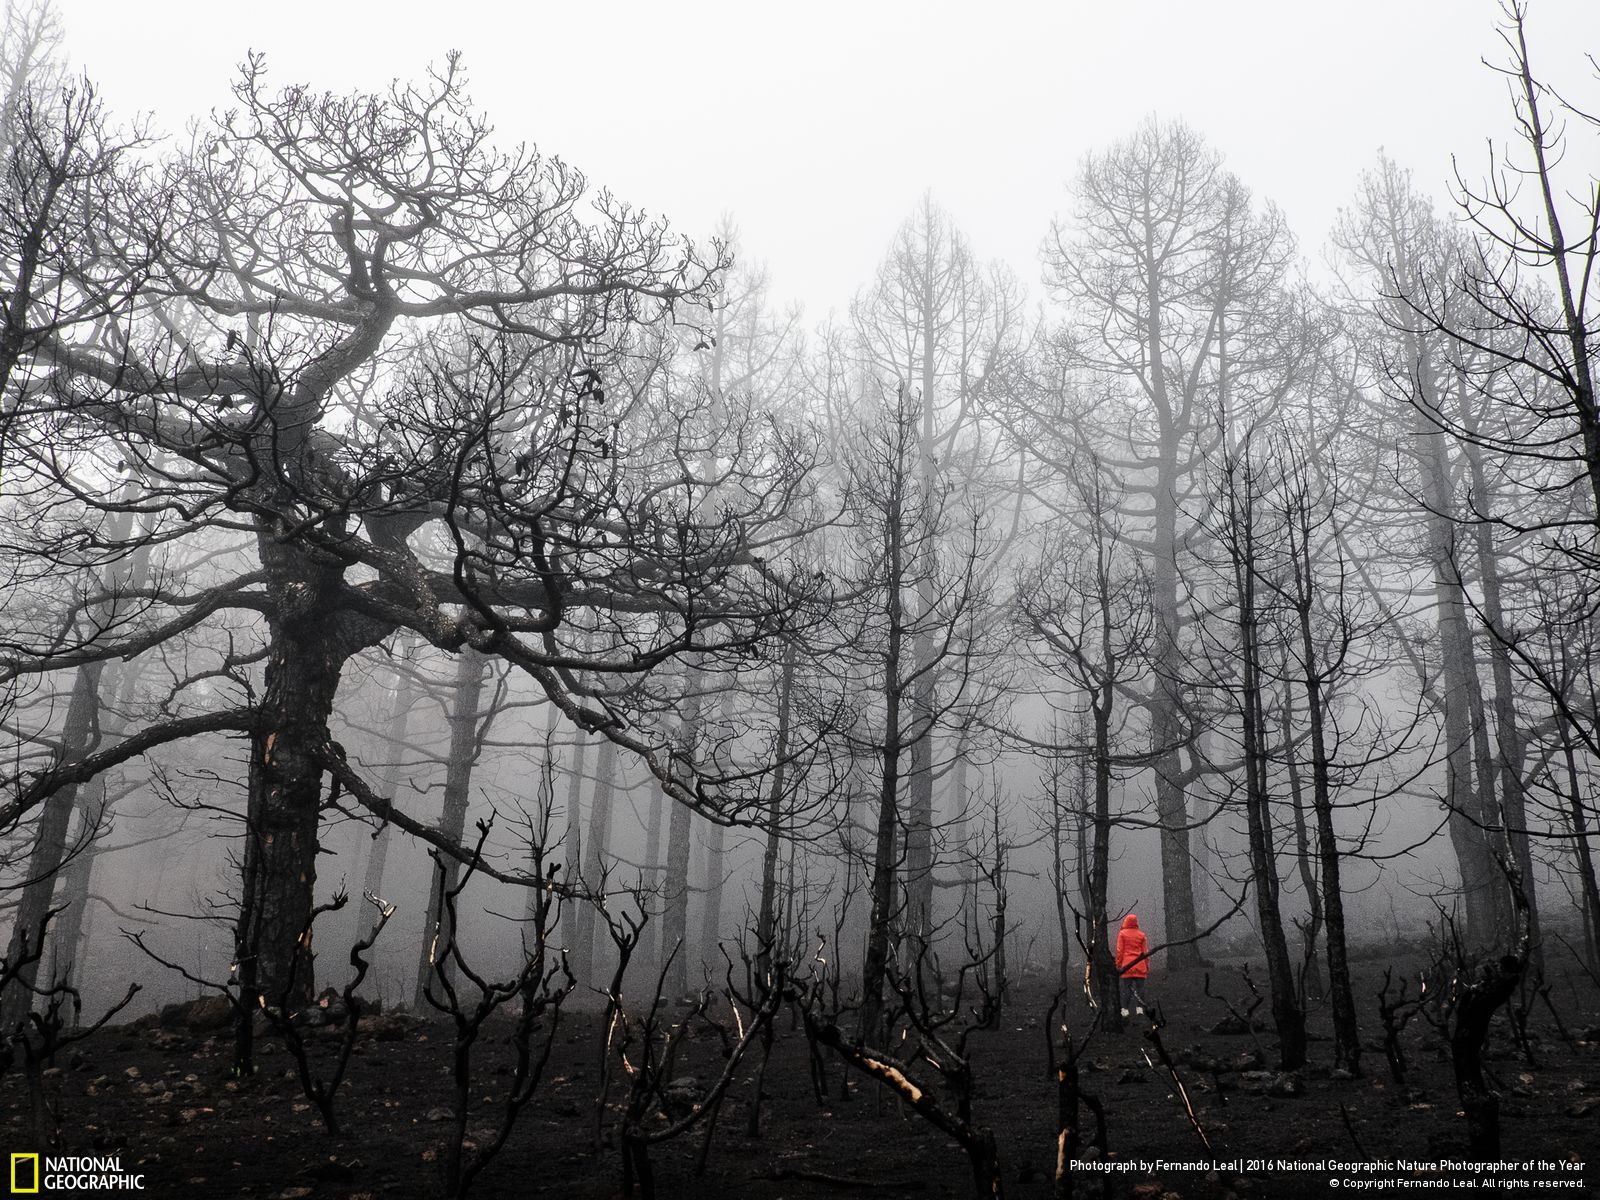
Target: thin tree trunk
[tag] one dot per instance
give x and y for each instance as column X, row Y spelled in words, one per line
column 1058, row 878
column 715, row 838
column 1346, row 1032
column 766, row 918
column 79, row 734
column 675, row 917
column 919, row 918
column 1302, row 853
column 397, row 737
column 464, row 747
column 1103, row 965
column 1288, row 1016
column 595, row 847
column 651, row 950
column 1580, row 844
column 881, row 917
column 573, row 841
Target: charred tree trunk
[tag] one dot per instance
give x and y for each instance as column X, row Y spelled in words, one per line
column 573, row 842
column 396, row 739
column 1580, row 843
column 1102, row 963
column 1482, row 885
column 675, row 896
column 919, row 774
column 594, row 861
column 715, row 836
column 1058, row 875
column 1287, row 1013
column 1346, row 1032
column 1312, row 926
column 83, row 729
column 273, row 947
column 767, row 914
column 882, row 888
column 675, row 917
column 464, row 746
column 713, row 840
column 1478, row 1002
column 1166, row 735
column 79, row 734
column 651, row 951
column 1509, row 739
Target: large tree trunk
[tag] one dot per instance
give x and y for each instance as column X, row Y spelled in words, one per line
column 1510, row 742
column 1482, row 883
column 310, row 638
column 273, row 936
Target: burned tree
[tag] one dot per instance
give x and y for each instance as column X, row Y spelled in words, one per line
column 469, row 489
column 1086, row 614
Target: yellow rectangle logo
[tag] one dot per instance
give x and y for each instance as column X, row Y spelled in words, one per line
column 30, row 1165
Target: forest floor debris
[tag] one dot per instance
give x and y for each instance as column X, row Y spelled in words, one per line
column 258, row 1138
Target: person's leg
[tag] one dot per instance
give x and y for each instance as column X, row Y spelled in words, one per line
column 1139, row 1002
column 1125, row 990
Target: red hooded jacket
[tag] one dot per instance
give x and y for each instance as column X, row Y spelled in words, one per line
column 1130, row 945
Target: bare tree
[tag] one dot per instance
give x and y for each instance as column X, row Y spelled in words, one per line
column 1086, row 612
column 941, row 326
column 907, row 539
column 1249, row 619
column 1162, row 266
column 473, row 494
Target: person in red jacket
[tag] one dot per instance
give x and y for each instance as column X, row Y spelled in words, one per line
column 1132, row 965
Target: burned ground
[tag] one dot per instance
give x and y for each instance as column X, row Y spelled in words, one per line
column 162, row 1098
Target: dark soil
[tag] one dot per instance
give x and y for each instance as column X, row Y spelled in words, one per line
column 162, row 1099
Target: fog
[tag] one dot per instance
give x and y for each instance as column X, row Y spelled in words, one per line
column 1037, row 470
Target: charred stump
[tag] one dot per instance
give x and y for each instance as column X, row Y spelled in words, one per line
column 1476, row 1005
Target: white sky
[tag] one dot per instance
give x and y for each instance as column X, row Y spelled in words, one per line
column 819, row 125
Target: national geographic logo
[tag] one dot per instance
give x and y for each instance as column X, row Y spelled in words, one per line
column 31, row 1174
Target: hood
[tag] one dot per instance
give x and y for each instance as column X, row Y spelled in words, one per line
column 1130, row 922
